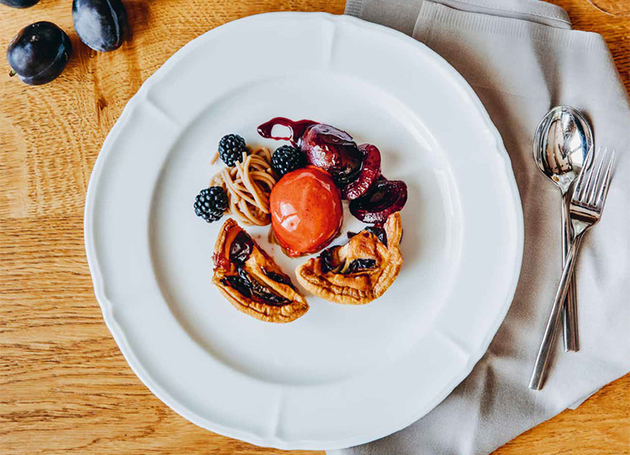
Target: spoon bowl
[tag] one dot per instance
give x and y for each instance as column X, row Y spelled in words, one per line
column 561, row 145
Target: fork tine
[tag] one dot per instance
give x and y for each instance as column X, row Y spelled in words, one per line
column 579, row 186
column 589, row 176
column 604, row 185
column 583, row 180
column 598, row 175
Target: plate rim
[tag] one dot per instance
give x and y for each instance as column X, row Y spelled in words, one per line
column 120, row 336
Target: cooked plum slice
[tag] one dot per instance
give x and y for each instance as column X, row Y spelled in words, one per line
column 383, row 199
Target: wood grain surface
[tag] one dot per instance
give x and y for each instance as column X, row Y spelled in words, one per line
column 64, row 386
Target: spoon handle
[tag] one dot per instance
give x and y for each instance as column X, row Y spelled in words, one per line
column 569, row 314
column 544, row 353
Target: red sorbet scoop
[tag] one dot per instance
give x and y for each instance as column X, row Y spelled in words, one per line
column 306, row 211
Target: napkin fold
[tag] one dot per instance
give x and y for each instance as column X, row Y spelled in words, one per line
column 522, row 58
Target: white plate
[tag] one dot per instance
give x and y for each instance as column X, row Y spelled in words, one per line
column 340, row 375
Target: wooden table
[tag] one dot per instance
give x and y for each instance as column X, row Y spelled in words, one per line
column 64, row 386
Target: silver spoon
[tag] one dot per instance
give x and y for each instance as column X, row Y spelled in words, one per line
column 561, row 145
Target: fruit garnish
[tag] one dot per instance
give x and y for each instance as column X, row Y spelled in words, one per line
column 332, row 150
column 241, row 249
column 356, row 170
column 231, row 149
column 211, row 203
column 369, row 173
column 384, row 198
column 287, row 159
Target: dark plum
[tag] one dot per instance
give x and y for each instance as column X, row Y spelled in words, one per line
column 332, row 150
column 383, row 199
column 19, row 3
column 101, row 24
column 370, row 172
column 39, row 53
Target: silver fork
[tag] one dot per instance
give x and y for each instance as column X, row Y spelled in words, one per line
column 587, row 205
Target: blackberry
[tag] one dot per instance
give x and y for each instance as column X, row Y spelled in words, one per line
column 210, row 203
column 286, row 159
column 231, row 149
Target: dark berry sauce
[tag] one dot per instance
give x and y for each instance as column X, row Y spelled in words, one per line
column 296, row 129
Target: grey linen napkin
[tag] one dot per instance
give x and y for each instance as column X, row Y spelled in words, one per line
column 522, row 58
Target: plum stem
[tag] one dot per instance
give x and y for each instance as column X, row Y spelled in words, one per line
column 12, row 73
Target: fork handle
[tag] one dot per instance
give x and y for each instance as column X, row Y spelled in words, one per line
column 569, row 313
column 548, row 341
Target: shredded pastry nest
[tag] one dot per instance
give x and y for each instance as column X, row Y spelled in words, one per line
column 248, row 185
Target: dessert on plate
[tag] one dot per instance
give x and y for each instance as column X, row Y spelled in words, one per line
column 251, row 280
column 361, row 270
column 299, row 189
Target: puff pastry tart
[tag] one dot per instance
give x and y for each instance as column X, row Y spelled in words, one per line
column 359, row 271
column 251, row 280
